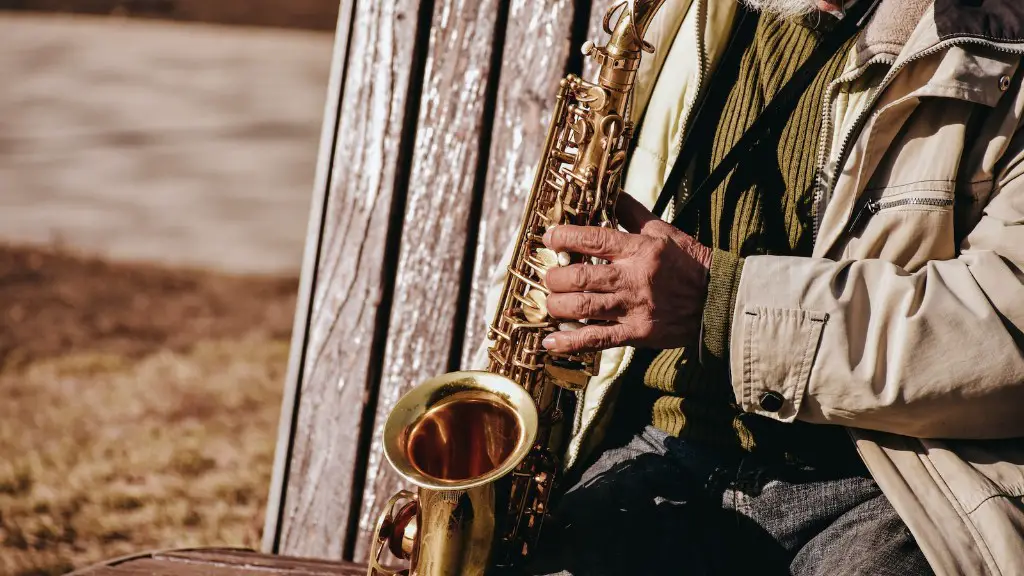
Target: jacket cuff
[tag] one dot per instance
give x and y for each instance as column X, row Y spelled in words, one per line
column 773, row 342
column 723, row 285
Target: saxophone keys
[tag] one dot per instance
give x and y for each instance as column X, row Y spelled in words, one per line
column 554, row 214
column 535, row 306
column 548, row 259
column 567, row 375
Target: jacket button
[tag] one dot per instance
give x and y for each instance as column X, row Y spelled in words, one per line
column 1004, row 83
column 772, row 401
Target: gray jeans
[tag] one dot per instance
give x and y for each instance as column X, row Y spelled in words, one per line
column 658, row 506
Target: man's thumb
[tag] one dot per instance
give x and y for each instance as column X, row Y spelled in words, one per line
column 633, row 216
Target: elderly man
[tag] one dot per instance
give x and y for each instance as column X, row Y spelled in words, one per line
column 817, row 369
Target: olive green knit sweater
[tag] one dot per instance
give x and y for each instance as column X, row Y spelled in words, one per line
column 763, row 207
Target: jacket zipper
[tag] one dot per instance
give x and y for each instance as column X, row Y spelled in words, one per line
column 702, row 65
column 829, row 186
column 875, row 206
column 825, row 137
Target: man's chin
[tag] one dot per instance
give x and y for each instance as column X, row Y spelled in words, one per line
column 830, row 5
column 787, row 8
column 791, row 8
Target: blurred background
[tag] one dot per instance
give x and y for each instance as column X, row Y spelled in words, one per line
column 156, row 164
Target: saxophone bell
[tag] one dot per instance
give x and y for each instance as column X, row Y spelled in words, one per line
column 453, row 437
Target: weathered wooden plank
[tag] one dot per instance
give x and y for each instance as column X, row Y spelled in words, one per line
column 351, row 291
column 537, row 49
column 168, row 567
column 303, row 312
column 251, row 562
column 219, row 562
column 446, row 175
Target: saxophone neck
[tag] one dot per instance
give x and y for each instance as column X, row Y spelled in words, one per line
column 627, row 36
column 619, row 59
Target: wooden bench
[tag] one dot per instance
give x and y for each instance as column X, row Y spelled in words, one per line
column 435, row 117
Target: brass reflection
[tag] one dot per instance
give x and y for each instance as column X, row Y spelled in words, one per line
column 464, row 436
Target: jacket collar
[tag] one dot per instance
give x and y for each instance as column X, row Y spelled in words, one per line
column 889, row 28
column 922, row 23
column 996, row 20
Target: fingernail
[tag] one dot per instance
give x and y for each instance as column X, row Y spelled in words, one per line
column 547, row 235
column 548, row 342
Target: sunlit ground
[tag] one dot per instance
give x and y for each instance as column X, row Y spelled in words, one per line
column 139, row 409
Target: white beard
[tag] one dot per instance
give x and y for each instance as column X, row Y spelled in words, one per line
column 783, row 8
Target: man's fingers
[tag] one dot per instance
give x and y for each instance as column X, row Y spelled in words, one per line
column 587, row 339
column 583, row 278
column 585, row 306
column 589, row 240
column 633, row 216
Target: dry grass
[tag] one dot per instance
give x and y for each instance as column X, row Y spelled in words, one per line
column 112, row 447
column 54, row 302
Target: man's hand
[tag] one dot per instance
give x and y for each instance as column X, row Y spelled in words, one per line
column 652, row 291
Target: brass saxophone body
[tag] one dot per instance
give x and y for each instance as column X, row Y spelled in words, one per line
column 482, row 448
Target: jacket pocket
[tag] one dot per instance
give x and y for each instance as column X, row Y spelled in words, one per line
column 975, row 471
column 934, row 196
column 908, row 225
column 779, row 349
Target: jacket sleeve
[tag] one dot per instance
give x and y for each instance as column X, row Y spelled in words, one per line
column 724, row 280
column 936, row 353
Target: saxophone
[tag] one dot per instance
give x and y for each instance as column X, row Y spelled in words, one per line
column 484, row 448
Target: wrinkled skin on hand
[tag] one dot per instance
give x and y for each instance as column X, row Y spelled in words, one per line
column 651, row 292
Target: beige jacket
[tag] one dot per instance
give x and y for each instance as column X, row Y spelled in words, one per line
column 907, row 324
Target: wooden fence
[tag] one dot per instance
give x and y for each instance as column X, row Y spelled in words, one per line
column 435, row 117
